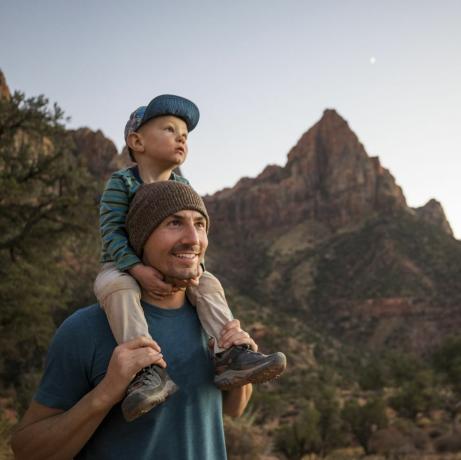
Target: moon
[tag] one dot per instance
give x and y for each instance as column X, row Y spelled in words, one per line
column 372, row 60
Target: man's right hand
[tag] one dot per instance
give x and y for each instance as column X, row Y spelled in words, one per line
column 126, row 361
column 151, row 280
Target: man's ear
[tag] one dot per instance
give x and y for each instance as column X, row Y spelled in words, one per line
column 135, row 142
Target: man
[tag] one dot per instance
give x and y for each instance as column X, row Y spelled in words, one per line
column 76, row 411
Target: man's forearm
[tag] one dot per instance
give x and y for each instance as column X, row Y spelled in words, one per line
column 236, row 400
column 59, row 436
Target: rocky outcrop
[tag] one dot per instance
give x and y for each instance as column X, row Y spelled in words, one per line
column 4, row 90
column 96, row 150
column 328, row 179
column 329, row 237
column 433, row 213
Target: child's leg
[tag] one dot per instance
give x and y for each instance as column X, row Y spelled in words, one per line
column 120, row 297
column 236, row 366
column 211, row 304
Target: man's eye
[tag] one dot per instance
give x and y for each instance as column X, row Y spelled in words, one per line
column 175, row 223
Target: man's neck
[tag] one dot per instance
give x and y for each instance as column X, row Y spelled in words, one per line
column 176, row 300
column 151, row 172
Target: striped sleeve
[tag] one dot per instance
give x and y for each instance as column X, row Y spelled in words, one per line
column 178, row 178
column 113, row 210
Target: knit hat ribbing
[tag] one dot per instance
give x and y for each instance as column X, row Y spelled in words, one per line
column 153, row 203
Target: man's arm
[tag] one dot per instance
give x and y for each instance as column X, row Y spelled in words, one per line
column 54, row 434
column 236, row 400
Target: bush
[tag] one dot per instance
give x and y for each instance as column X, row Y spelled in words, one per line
column 243, row 439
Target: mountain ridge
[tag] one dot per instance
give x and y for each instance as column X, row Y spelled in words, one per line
column 328, row 238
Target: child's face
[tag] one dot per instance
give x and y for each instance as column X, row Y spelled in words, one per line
column 164, row 140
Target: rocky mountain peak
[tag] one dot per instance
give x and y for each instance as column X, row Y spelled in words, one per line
column 328, row 179
column 4, row 90
column 433, row 213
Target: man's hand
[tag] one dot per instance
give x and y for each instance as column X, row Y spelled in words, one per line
column 232, row 334
column 152, row 281
column 126, row 361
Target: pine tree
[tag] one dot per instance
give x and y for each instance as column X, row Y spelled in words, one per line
column 47, row 204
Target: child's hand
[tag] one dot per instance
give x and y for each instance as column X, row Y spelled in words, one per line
column 183, row 284
column 151, row 281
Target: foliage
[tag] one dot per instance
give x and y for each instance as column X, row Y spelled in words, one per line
column 5, row 431
column 302, row 436
column 319, row 427
column 447, row 361
column 364, row 420
column 417, row 395
column 391, row 368
column 243, row 441
column 373, row 261
column 330, row 424
column 46, row 199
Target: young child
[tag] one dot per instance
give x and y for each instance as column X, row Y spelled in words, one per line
column 156, row 136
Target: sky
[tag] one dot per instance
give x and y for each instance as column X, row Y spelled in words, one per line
column 262, row 72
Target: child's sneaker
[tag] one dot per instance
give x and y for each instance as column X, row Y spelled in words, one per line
column 239, row 365
column 151, row 386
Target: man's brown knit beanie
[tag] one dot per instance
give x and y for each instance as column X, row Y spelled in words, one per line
column 153, row 203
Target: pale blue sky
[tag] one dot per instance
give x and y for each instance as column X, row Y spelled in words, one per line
column 262, row 72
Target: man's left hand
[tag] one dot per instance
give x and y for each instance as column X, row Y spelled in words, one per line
column 232, row 334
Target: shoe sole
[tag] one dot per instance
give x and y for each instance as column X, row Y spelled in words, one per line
column 132, row 413
column 263, row 373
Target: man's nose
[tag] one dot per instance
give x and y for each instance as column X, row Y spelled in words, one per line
column 190, row 235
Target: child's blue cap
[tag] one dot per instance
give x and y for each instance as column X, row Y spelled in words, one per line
column 166, row 104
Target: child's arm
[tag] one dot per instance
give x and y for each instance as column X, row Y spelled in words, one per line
column 113, row 210
column 151, row 281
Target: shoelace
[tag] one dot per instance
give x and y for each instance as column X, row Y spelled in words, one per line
column 146, row 375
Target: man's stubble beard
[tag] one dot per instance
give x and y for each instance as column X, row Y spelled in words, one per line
column 176, row 274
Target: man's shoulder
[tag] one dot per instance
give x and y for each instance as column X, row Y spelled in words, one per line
column 83, row 319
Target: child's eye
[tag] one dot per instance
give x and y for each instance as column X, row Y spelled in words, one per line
column 170, row 128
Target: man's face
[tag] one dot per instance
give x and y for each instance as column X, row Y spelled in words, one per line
column 177, row 246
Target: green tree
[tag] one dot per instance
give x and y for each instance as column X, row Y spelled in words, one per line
column 330, row 426
column 416, row 396
column 364, row 420
column 447, row 362
column 301, row 437
column 47, row 202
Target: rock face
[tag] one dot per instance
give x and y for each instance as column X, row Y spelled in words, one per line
column 329, row 239
column 97, row 151
column 433, row 213
column 328, row 179
column 4, row 90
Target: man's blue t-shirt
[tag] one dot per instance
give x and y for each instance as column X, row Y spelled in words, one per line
column 187, row 426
